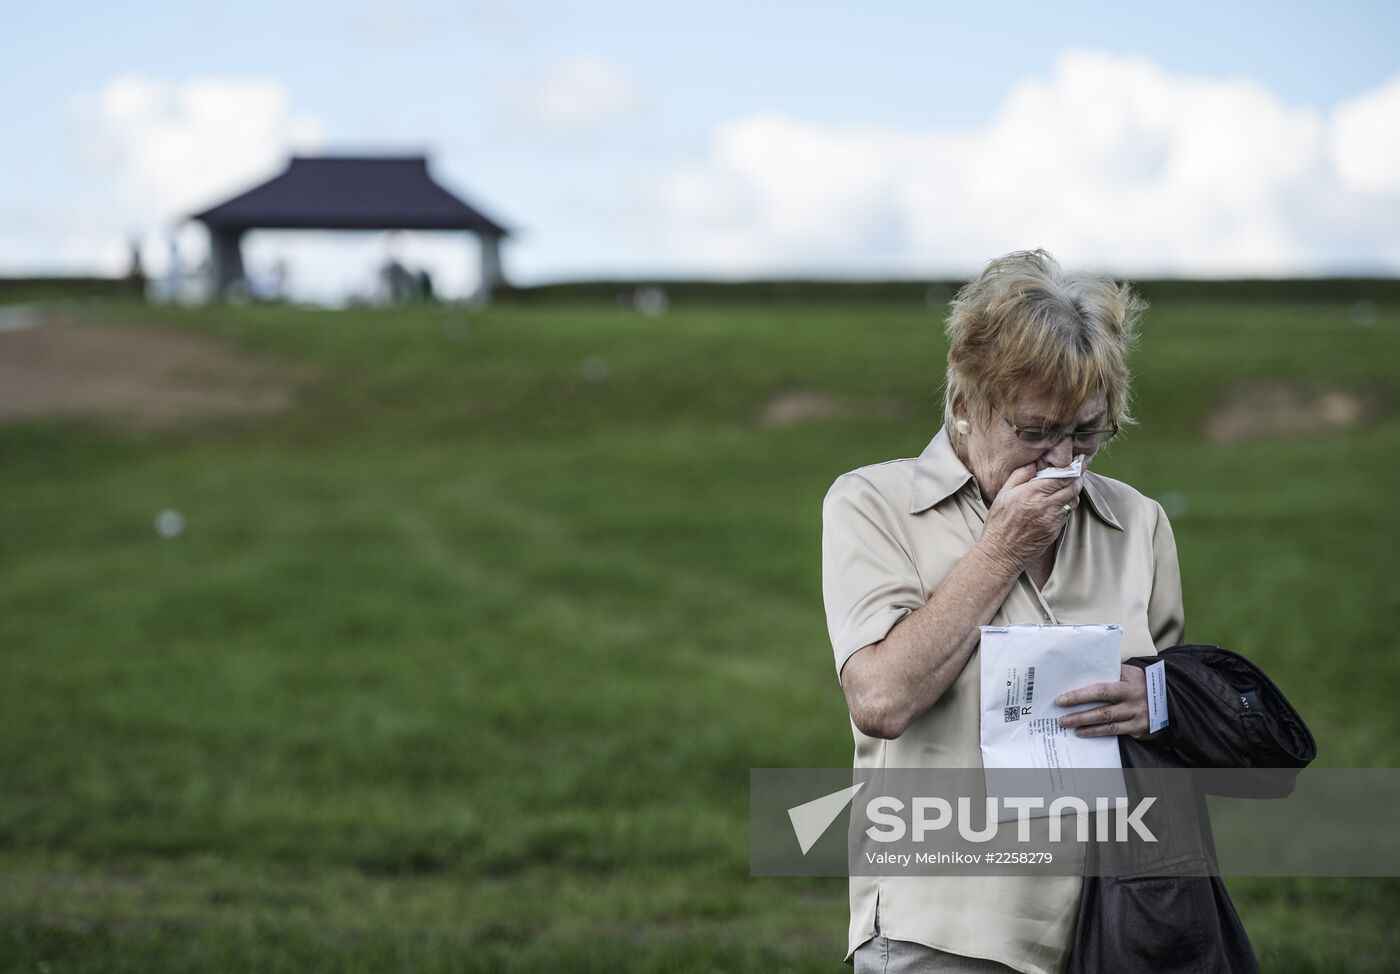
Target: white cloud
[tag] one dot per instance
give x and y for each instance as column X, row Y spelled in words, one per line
column 1110, row 161
column 1365, row 140
column 174, row 147
column 163, row 150
column 576, row 95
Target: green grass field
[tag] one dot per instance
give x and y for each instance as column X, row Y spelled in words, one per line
column 461, row 664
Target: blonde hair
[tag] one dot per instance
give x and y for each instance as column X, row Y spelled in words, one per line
column 1026, row 326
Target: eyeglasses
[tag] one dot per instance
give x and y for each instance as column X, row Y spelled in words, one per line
column 1044, row 439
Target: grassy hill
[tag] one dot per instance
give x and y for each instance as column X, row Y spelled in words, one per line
column 462, row 658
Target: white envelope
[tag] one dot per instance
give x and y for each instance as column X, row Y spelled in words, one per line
column 1023, row 669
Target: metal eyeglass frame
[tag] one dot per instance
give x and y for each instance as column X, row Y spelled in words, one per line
column 1044, row 439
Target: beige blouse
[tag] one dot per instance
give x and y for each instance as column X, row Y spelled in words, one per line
column 890, row 533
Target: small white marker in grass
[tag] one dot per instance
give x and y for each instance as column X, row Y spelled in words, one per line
column 170, row 524
column 595, row 369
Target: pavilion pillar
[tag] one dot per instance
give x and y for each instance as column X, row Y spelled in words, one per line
column 492, row 274
column 225, row 260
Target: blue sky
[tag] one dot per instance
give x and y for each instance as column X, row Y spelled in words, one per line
column 728, row 139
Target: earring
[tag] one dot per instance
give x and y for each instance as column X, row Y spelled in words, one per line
column 962, row 427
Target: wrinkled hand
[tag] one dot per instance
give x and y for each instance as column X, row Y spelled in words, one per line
column 1123, row 710
column 1027, row 514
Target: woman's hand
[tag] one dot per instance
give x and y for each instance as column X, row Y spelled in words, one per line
column 1027, row 514
column 1124, row 709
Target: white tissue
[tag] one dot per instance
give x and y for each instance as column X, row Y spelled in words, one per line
column 1075, row 468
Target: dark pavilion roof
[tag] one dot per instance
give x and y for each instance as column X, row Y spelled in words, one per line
column 350, row 193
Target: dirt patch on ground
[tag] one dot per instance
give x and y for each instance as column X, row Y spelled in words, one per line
column 795, row 407
column 1278, row 409
column 142, row 378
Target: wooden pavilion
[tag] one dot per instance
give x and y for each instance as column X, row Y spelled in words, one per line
column 347, row 193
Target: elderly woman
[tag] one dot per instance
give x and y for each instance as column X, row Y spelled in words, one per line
column 917, row 554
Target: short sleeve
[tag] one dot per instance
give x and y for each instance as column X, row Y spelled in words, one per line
column 1166, row 615
column 869, row 580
